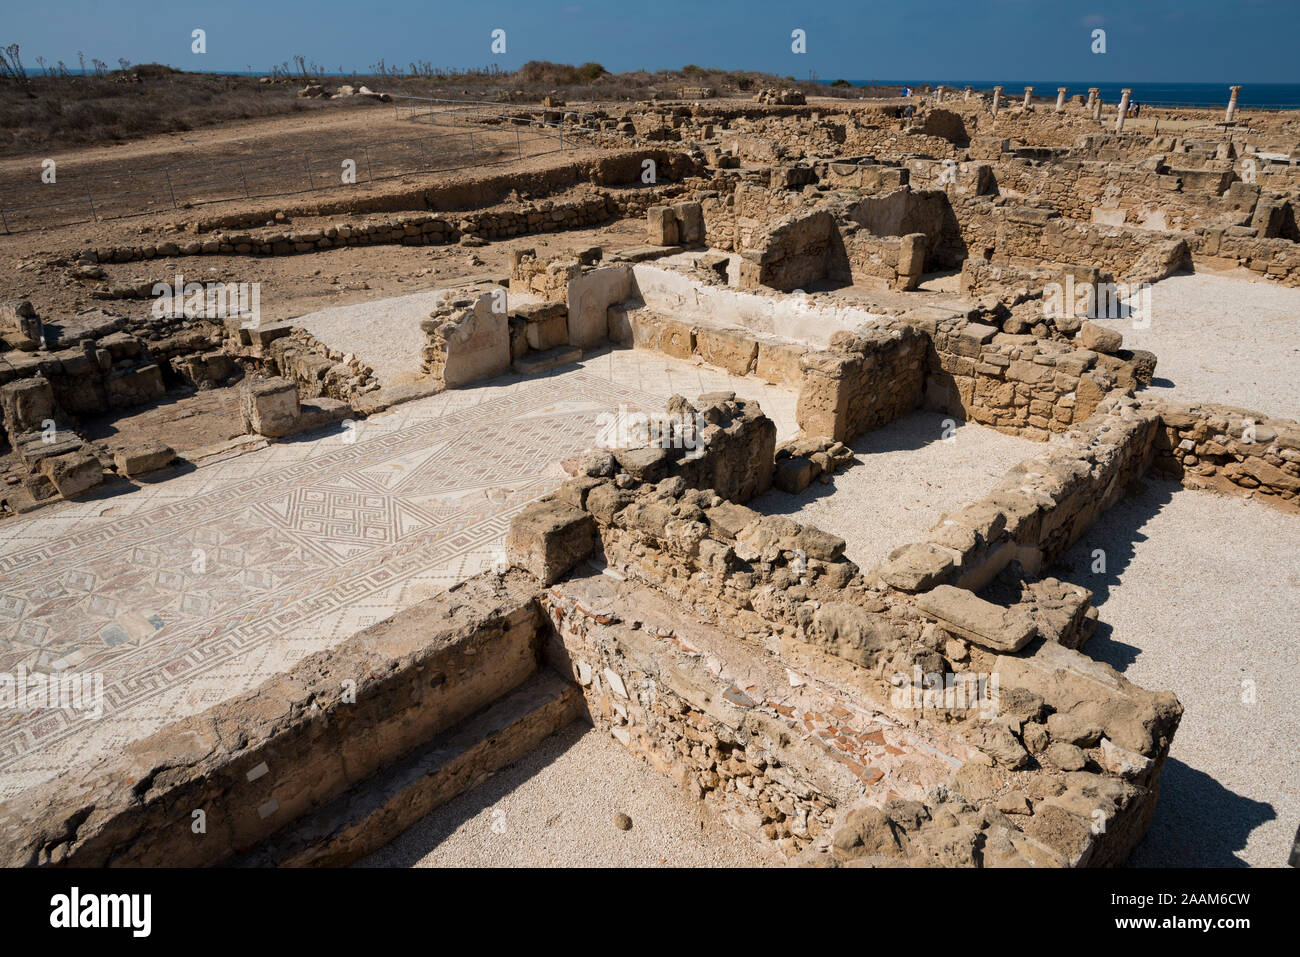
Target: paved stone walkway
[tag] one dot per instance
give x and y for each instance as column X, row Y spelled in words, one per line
column 188, row 591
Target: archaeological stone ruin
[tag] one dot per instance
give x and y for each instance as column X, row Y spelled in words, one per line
column 644, row 404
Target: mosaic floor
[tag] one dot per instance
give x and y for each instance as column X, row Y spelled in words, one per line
column 187, row 592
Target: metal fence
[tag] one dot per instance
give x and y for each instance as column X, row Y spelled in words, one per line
column 133, row 192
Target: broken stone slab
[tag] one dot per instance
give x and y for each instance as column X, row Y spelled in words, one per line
column 982, row 622
column 794, row 474
column 74, row 473
column 27, row 404
column 270, row 407
column 650, row 464
column 148, row 456
column 34, row 447
column 321, row 412
column 1072, row 683
column 548, row 538
column 915, row 568
column 661, row 226
column 1127, row 764
column 636, row 254
column 727, row 520
column 1100, row 339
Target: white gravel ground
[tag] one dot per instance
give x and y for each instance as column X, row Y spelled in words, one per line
column 1223, row 339
column 905, row 479
column 555, row 807
column 384, row 333
column 1202, row 593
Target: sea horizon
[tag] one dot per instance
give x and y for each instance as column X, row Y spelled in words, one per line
column 1272, row 96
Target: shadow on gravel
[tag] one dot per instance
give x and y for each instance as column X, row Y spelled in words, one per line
column 1198, row 822
column 423, row 837
column 1115, row 533
column 912, row 432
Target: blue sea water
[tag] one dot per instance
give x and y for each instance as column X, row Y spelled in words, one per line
column 1270, row 96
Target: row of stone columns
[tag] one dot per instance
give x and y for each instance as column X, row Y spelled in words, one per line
column 1094, row 103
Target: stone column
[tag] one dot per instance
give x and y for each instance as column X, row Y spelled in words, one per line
column 1232, row 104
column 968, row 92
column 997, row 97
column 1029, row 91
column 1123, row 108
column 1096, row 107
column 938, row 94
column 1060, row 98
column 1092, row 97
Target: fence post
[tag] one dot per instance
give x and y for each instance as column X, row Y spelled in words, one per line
column 306, row 159
column 93, row 215
column 169, row 187
column 243, row 175
column 519, row 150
column 369, row 171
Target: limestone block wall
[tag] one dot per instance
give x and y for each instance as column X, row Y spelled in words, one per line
column 1230, row 449
column 317, row 370
column 864, row 381
column 794, row 253
column 1274, row 257
column 1018, row 384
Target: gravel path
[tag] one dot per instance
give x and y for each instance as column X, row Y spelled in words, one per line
column 905, row 479
column 1223, row 339
column 1202, row 593
column 555, row 808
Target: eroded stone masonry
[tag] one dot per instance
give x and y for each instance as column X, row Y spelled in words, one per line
column 977, row 259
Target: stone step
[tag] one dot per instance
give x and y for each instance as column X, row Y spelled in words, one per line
column 374, row 812
column 537, row 363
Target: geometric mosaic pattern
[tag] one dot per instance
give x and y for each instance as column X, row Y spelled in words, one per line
column 202, row 591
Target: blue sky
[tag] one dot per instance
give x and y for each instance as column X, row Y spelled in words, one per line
column 1219, row 41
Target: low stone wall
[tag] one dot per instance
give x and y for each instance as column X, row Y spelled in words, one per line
column 1040, row 509
column 1020, row 384
column 408, row 229
column 1229, row 449
column 1277, row 258
column 621, row 167
column 257, row 762
column 1032, row 235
